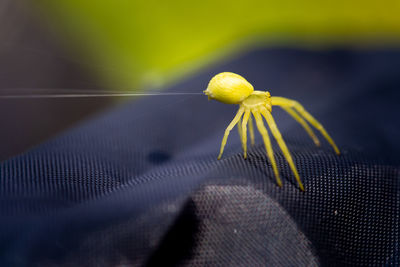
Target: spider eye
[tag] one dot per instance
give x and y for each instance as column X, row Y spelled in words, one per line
column 229, row 88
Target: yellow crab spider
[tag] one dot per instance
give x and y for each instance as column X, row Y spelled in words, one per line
column 231, row 88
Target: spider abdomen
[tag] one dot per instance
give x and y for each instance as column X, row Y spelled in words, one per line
column 229, row 88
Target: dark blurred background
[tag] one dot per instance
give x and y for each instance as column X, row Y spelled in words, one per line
column 146, row 45
column 32, row 59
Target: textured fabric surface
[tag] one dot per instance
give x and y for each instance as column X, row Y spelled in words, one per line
column 140, row 184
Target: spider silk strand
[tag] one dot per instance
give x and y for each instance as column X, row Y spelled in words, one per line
column 86, row 94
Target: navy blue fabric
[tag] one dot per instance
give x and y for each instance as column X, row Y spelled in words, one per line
column 140, row 184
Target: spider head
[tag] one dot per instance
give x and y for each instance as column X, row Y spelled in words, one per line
column 257, row 100
column 229, row 88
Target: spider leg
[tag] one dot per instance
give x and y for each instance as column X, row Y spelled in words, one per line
column 244, row 132
column 229, row 128
column 251, row 130
column 267, row 143
column 281, row 101
column 303, row 123
column 239, row 127
column 274, row 129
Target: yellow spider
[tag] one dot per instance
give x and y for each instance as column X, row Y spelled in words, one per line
column 231, row 88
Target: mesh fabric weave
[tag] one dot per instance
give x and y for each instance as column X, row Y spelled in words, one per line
column 140, row 185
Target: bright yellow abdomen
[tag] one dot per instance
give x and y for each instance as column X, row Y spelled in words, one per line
column 229, row 88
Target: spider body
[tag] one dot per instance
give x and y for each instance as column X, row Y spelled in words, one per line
column 231, row 88
column 258, row 100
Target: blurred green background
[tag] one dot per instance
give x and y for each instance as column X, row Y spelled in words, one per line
column 142, row 45
column 147, row 43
